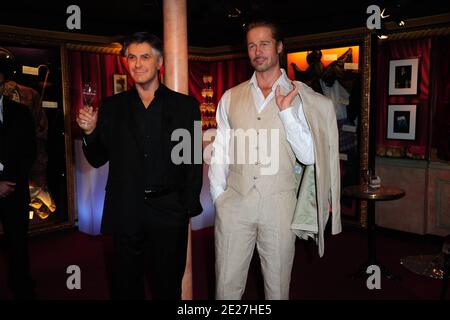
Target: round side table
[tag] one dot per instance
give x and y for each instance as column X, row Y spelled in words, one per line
column 384, row 193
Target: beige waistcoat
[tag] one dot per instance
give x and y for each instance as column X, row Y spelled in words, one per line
column 255, row 135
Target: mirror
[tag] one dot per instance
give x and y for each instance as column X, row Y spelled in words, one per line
column 36, row 80
column 337, row 66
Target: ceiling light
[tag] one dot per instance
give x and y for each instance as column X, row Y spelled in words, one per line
column 235, row 13
column 383, row 14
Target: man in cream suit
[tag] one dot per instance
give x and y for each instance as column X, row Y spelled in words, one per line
column 267, row 120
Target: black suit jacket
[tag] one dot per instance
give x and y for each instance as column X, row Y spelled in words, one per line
column 18, row 150
column 116, row 140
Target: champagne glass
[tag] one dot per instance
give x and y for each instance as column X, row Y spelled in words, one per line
column 89, row 94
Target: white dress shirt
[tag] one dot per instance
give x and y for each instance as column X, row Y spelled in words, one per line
column 340, row 97
column 293, row 119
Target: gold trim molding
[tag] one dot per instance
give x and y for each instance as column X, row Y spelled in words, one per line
column 23, row 34
column 115, row 48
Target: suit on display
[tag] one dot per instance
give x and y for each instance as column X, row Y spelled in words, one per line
column 17, row 154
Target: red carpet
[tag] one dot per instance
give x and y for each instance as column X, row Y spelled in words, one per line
column 312, row 277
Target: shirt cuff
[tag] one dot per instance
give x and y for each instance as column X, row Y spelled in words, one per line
column 215, row 193
column 88, row 138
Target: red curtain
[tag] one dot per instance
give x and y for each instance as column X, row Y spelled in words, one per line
column 226, row 74
column 440, row 84
column 97, row 69
column 399, row 50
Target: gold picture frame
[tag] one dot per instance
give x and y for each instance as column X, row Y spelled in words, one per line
column 119, row 83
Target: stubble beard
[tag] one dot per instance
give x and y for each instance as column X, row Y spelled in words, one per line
column 147, row 81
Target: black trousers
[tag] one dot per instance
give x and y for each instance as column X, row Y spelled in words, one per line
column 14, row 219
column 160, row 244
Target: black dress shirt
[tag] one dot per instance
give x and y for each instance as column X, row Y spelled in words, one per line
column 149, row 127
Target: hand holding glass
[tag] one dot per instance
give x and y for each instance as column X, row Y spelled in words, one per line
column 87, row 121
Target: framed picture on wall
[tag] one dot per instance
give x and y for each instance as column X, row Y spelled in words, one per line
column 403, row 75
column 401, row 122
column 119, row 83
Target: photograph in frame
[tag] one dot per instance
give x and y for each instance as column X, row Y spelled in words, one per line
column 119, row 83
column 401, row 122
column 403, row 77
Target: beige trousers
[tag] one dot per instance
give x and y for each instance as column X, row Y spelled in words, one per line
column 240, row 223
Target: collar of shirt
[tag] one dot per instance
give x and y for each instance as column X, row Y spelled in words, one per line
column 161, row 91
column 258, row 97
column 1, row 108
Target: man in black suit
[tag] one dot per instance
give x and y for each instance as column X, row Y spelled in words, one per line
column 149, row 197
column 17, row 154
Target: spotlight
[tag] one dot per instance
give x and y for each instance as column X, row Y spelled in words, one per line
column 382, row 34
column 235, row 13
column 384, row 15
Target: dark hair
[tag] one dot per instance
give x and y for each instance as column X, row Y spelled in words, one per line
column 277, row 33
column 141, row 37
